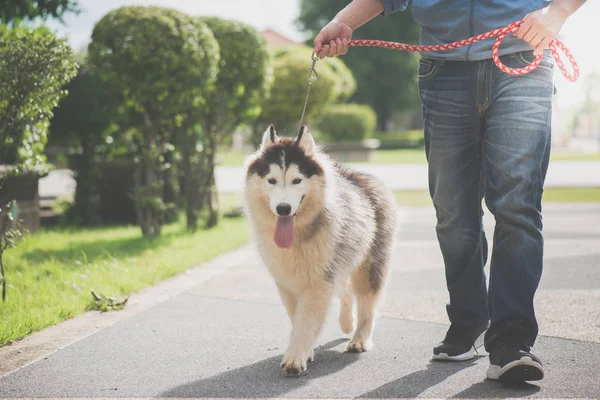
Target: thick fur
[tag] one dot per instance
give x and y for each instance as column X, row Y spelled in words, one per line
column 344, row 230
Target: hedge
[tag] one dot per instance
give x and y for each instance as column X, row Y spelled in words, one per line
column 409, row 139
column 347, row 123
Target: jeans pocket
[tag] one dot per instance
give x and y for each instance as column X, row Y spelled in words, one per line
column 525, row 58
column 427, row 68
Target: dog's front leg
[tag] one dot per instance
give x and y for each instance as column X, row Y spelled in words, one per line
column 289, row 300
column 311, row 311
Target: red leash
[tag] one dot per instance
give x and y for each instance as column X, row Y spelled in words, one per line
column 499, row 33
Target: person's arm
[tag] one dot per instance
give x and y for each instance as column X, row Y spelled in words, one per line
column 334, row 37
column 541, row 27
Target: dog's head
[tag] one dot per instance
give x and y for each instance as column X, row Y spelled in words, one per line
column 284, row 179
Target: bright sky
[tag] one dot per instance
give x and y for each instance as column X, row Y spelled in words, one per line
column 279, row 15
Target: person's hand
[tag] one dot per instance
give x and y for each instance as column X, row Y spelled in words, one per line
column 333, row 39
column 541, row 27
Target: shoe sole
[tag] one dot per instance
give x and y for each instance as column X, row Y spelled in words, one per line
column 518, row 371
column 462, row 357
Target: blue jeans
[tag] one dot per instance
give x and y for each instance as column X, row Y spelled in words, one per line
column 487, row 135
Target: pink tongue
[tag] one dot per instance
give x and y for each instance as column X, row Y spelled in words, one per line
column 284, row 232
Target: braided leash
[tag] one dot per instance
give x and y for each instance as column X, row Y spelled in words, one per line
column 500, row 34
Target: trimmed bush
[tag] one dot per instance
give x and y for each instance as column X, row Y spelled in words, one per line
column 162, row 62
column 347, row 123
column 242, row 83
column 34, row 67
column 290, row 74
column 411, row 139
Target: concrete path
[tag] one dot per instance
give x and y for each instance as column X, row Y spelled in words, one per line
column 224, row 334
column 397, row 177
column 414, row 176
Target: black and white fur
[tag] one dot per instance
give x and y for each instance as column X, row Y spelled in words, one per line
column 344, row 224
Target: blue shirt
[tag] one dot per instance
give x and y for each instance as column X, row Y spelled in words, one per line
column 446, row 21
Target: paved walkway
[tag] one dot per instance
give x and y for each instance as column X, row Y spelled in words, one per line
column 396, row 176
column 414, row 176
column 224, row 334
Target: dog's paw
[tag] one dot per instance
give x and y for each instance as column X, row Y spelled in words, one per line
column 359, row 346
column 311, row 356
column 294, row 365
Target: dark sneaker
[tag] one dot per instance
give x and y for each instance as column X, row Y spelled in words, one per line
column 513, row 363
column 460, row 343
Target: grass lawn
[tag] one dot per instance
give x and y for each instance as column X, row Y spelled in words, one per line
column 404, row 156
column 400, row 156
column 50, row 274
column 412, row 156
column 419, row 198
column 573, row 156
column 232, row 159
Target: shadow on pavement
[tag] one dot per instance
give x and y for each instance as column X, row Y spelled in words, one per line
column 415, row 383
column 489, row 388
column 265, row 378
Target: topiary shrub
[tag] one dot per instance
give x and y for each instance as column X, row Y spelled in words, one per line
column 162, row 62
column 241, row 86
column 347, row 123
column 34, row 67
column 410, row 139
column 290, row 82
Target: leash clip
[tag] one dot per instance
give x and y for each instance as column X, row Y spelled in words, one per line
column 312, row 76
column 312, row 72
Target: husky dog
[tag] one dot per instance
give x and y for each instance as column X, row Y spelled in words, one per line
column 322, row 230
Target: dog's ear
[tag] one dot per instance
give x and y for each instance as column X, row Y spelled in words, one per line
column 269, row 137
column 305, row 140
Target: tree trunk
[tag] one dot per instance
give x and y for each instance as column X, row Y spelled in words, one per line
column 85, row 167
column 170, row 188
column 211, row 189
column 149, row 195
column 383, row 117
column 191, row 178
column 4, row 227
column 139, row 207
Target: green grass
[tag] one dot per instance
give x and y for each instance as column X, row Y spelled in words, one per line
column 572, row 195
column 420, row 198
column 400, row 156
column 403, row 156
column 50, row 274
column 412, row 156
column 232, row 159
column 563, row 155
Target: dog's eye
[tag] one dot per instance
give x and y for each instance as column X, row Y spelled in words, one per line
column 272, row 181
column 296, row 181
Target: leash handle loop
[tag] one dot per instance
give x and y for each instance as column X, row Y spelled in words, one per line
column 499, row 34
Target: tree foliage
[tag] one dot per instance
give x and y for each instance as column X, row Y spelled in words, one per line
column 34, row 66
column 347, row 122
column 15, row 11
column 290, row 68
column 159, row 58
column 242, row 81
column 386, row 78
column 82, row 121
column 161, row 61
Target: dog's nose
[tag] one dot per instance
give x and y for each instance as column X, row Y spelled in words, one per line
column 284, row 209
